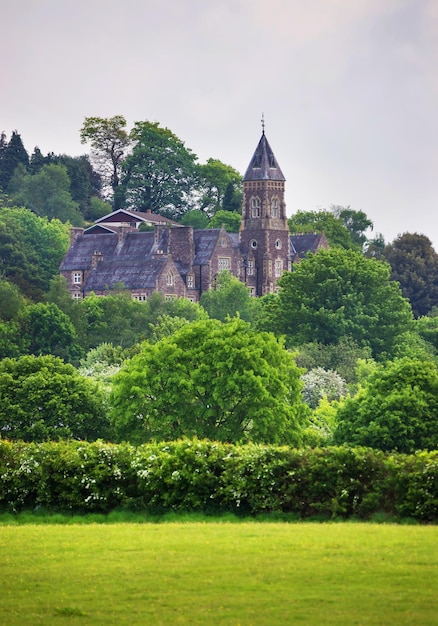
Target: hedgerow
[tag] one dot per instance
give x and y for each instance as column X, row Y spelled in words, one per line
column 193, row 475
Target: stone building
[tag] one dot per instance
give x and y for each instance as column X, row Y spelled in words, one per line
column 145, row 252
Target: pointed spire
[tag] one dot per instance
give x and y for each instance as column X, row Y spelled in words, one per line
column 263, row 165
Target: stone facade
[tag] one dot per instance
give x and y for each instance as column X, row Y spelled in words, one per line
column 179, row 261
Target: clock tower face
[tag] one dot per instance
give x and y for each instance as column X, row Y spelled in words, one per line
column 264, row 231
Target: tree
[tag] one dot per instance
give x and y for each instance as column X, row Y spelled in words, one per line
column 322, row 222
column 229, row 298
column 109, row 141
column 338, row 293
column 212, row 380
column 11, row 301
column 31, row 249
column 217, row 179
column 230, row 221
column 46, row 329
column 320, row 383
column 195, row 218
column 397, row 409
column 11, row 155
column 414, row 264
column 356, row 222
column 161, row 173
column 43, row 398
column 341, row 357
column 47, row 194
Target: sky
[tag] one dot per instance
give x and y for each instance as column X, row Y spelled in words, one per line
column 348, row 89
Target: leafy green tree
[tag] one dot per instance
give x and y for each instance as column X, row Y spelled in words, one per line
column 341, row 357
column 195, row 218
column 414, row 264
column 229, row 298
column 47, row 194
column 397, row 409
column 356, row 222
column 212, row 380
column 109, row 142
column 322, row 222
column 43, row 398
column 46, row 329
column 217, row 179
column 161, row 173
column 11, row 155
column 11, row 301
column 230, row 221
column 233, row 198
column 31, row 249
column 339, row 293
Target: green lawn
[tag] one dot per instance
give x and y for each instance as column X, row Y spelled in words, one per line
column 246, row 573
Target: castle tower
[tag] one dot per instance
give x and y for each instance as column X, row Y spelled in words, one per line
column 264, row 231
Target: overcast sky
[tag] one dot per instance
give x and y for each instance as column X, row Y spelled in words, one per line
column 348, row 88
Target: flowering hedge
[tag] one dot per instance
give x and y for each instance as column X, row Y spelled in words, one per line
column 192, row 475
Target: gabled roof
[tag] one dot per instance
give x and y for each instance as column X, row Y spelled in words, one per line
column 263, row 165
column 303, row 243
column 98, row 228
column 123, row 215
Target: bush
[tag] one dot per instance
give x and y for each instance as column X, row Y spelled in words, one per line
column 193, row 475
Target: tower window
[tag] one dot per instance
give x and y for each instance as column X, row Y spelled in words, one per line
column 250, row 268
column 278, row 268
column 278, row 244
column 253, row 244
column 274, row 207
column 255, row 206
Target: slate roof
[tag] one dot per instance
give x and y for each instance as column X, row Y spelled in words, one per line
column 302, row 243
column 263, row 165
column 135, row 216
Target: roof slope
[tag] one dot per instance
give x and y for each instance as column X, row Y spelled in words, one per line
column 263, row 165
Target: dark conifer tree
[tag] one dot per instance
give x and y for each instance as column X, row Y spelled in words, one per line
column 10, row 156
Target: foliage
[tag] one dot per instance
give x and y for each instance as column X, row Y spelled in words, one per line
column 203, row 475
column 337, row 293
column 229, row 297
column 45, row 329
column 47, row 194
column 160, row 173
column 122, row 321
column 229, row 220
column 322, row 222
column 209, row 379
column 109, row 141
column 195, row 218
column 342, row 357
column 320, row 383
column 11, row 301
column 43, row 398
column 397, row 409
column 414, row 264
column 31, row 249
column 356, row 222
column 12, row 154
column 217, row 180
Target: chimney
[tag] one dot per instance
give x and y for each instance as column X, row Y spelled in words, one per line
column 75, row 232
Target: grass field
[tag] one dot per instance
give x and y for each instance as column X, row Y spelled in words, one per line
column 246, row 573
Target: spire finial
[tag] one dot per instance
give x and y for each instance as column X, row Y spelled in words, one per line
column 263, row 123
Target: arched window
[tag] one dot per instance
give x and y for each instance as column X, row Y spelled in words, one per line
column 275, row 207
column 278, row 244
column 255, row 206
column 253, row 244
column 170, row 279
